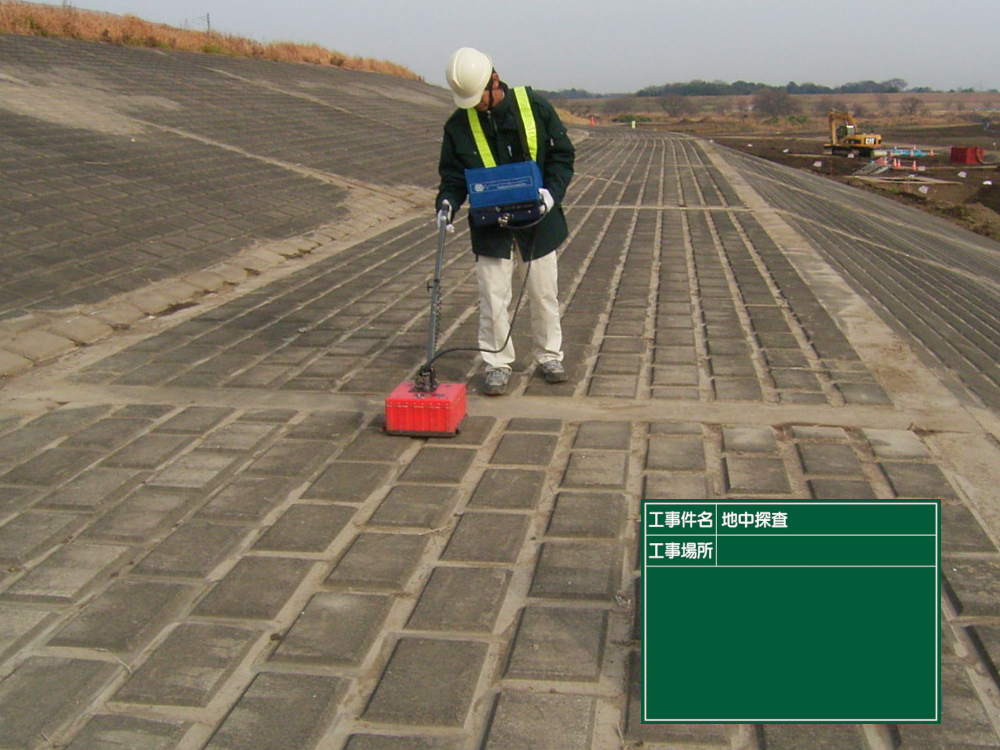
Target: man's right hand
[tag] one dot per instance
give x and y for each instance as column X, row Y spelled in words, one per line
column 444, row 216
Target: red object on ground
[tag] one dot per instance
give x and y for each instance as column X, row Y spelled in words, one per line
column 967, row 155
column 434, row 414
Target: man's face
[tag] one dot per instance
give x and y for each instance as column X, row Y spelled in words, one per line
column 492, row 95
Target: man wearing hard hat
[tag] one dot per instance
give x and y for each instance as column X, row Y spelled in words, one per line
column 496, row 125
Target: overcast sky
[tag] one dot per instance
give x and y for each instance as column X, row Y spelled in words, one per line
column 626, row 45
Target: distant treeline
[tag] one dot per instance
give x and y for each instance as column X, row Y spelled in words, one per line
column 745, row 88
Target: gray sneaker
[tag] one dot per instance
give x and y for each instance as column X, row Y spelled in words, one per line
column 553, row 371
column 496, row 381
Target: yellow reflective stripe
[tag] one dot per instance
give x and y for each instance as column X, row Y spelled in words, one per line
column 480, row 137
column 528, row 118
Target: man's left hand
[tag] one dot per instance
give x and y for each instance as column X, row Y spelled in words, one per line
column 547, row 200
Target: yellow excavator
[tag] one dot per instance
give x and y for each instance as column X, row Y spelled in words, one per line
column 845, row 138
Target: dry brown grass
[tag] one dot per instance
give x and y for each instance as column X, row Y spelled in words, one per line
column 69, row 22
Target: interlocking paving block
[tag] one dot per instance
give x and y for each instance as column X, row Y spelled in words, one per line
column 334, row 629
column 126, row 617
column 427, row 683
column 672, row 735
column 349, row 481
column 737, row 389
column 18, row 624
column 596, row 470
column 555, row 643
column 471, row 431
column 896, row 444
column 306, row 528
column 143, row 513
column 667, row 486
column 35, row 532
column 746, row 439
column 195, row 470
column 577, row 570
column 292, row 458
column 148, row 451
column 917, row 480
column 508, row 489
column 965, row 724
column 394, row 742
column 91, row 490
column 814, row 736
column 675, row 454
column 193, row 550
column 837, row 460
column 526, row 448
column 987, row 641
column 51, row 467
column 973, row 586
column 436, row 465
column 589, row 514
column 841, row 489
column 247, row 499
column 261, row 717
column 374, row 445
column 110, row 732
column 616, row 386
column 378, row 561
column 528, row 424
column 464, row 599
column 107, row 434
column 528, row 721
column 863, row 393
column 43, row 695
column 603, row 436
column 68, row 573
column 812, row 432
column 415, row 505
column 326, row 425
column 487, row 537
column 961, row 532
column 189, row 667
column 755, row 475
column 255, row 589
column 195, row 420
column 237, row 436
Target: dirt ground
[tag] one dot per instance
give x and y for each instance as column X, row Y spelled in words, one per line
column 954, row 191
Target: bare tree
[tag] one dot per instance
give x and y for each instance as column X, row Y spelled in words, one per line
column 774, row 102
column 911, row 105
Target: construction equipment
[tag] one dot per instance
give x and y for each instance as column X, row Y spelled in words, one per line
column 423, row 407
column 845, row 138
column 505, row 194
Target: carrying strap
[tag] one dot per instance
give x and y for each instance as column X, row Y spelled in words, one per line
column 527, row 118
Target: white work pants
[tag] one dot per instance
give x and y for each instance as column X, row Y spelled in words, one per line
column 495, row 276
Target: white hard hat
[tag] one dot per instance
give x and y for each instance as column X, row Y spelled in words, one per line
column 468, row 74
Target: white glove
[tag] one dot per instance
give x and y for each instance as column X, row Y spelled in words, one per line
column 444, row 217
column 547, row 201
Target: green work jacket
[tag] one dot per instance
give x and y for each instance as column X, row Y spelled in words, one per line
column 501, row 127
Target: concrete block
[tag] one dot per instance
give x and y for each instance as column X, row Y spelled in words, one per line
column 378, row 561
column 189, row 667
column 577, row 570
column 306, row 528
column 965, row 722
column 833, row 459
column 111, row 732
column 43, row 695
column 527, row 448
column 746, row 439
column 596, row 470
column 349, row 482
column 435, row 465
column 192, row 551
column 529, row 721
column 195, row 470
column 973, row 586
column 755, row 475
column 33, row 533
column 603, row 436
column 68, row 573
column 51, row 467
column 247, row 499
column 255, row 589
column 124, row 618
column 335, row 629
column 675, row 454
column 461, row 599
column 555, row 643
column 397, row 742
column 918, row 480
column 94, row 489
column 487, row 537
column 415, row 505
column 670, row 486
column 508, row 489
column 261, row 717
column 39, row 345
column 428, row 683
column 81, row 329
column 148, row 451
column 591, row 515
column 12, row 363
